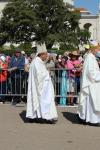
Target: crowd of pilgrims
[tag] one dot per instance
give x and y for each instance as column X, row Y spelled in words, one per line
column 65, row 71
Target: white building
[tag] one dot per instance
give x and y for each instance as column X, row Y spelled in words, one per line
column 2, row 6
column 90, row 22
column 70, row 2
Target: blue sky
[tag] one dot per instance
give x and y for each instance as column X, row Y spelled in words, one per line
column 91, row 5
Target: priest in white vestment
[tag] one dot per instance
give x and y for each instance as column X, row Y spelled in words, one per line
column 40, row 96
column 89, row 104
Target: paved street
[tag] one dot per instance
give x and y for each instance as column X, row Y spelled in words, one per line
column 67, row 134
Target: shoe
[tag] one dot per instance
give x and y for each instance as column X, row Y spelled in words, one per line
column 2, row 101
column 24, row 99
column 13, row 103
column 50, row 121
column 80, row 121
column 31, row 120
column 94, row 124
column 71, row 104
column 68, row 104
column 36, row 120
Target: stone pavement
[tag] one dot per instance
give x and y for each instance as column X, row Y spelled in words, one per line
column 67, row 134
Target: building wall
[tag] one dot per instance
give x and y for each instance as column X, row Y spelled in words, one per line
column 93, row 21
column 95, row 26
column 71, row 2
column 2, row 5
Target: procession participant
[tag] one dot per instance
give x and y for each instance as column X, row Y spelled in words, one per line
column 87, row 47
column 89, row 105
column 40, row 97
column 98, row 57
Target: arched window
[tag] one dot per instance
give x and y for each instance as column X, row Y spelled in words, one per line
column 87, row 26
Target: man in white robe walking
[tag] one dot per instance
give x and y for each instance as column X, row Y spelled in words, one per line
column 40, row 96
column 89, row 104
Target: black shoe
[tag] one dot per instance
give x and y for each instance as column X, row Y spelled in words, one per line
column 31, row 120
column 71, row 104
column 13, row 103
column 2, row 101
column 24, row 99
column 94, row 124
column 80, row 121
column 36, row 120
column 50, row 121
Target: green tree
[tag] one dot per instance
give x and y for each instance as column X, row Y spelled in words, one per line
column 39, row 20
column 17, row 22
column 84, row 35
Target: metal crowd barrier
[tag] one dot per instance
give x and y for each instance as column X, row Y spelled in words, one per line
column 66, row 84
column 15, row 84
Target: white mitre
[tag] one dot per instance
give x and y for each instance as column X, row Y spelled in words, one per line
column 41, row 48
column 94, row 43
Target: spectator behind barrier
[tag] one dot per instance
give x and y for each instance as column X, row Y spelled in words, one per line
column 16, row 65
column 3, row 77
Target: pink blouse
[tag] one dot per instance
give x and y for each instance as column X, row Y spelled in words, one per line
column 71, row 66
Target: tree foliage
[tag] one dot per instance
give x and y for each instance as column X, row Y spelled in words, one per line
column 84, row 35
column 17, row 22
column 39, row 20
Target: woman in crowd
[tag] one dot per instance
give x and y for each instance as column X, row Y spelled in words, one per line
column 63, row 83
column 73, row 73
column 78, row 67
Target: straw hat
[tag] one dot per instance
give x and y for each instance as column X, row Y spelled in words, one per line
column 75, row 53
column 23, row 52
column 94, row 43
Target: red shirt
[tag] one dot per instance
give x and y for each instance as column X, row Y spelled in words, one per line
column 3, row 73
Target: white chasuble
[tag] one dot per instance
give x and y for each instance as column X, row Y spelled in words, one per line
column 89, row 104
column 40, row 97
